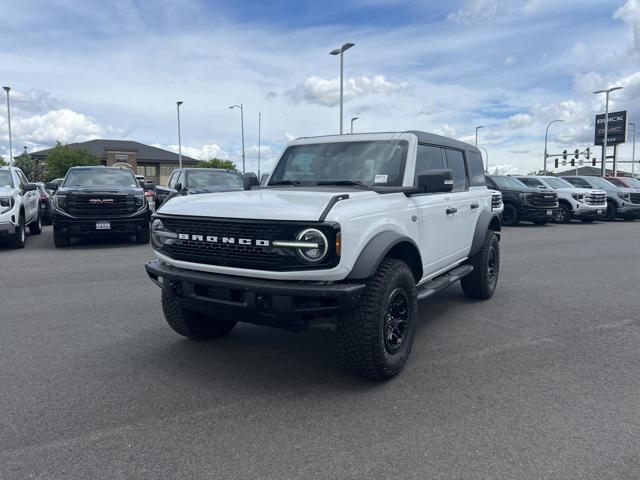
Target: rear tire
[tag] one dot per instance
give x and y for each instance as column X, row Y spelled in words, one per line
column 61, row 241
column 510, row 216
column 18, row 238
column 35, row 228
column 375, row 339
column 191, row 324
column 482, row 282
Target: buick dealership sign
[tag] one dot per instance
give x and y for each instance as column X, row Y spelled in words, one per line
column 617, row 128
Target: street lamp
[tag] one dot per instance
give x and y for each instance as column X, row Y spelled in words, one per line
column 603, row 167
column 478, row 128
column 242, row 129
column 486, row 155
column 353, row 120
column 633, row 152
column 546, row 136
column 259, row 128
column 179, row 136
column 340, row 51
column 6, row 89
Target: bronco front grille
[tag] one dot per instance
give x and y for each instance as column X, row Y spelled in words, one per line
column 250, row 256
column 97, row 205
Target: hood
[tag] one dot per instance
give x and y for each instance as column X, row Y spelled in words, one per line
column 101, row 190
column 581, row 191
column 198, row 190
column 267, row 203
column 7, row 191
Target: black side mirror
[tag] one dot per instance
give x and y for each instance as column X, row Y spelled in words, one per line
column 436, row 181
column 53, row 186
column 29, row 187
column 141, row 183
column 150, row 186
column 178, row 187
column 250, row 180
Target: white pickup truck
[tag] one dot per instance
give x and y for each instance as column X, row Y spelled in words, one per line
column 349, row 230
column 19, row 207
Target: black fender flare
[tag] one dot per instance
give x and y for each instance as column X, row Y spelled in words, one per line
column 487, row 221
column 374, row 252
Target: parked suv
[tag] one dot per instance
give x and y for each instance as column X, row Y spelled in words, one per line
column 624, row 182
column 523, row 203
column 621, row 202
column 99, row 201
column 581, row 203
column 350, row 230
column 188, row 181
column 19, row 207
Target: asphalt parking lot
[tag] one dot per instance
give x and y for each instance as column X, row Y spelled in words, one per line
column 539, row 382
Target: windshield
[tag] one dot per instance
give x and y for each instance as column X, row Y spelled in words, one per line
column 508, row 182
column 634, row 182
column 379, row 162
column 600, row 182
column 555, row 182
column 5, row 179
column 100, row 177
column 213, row 178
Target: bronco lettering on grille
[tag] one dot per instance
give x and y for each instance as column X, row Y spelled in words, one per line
column 225, row 240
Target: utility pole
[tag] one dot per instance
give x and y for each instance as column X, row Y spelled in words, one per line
column 603, row 168
column 259, row 128
column 242, row 130
column 7, row 89
column 340, row 51
column 546, row 136
column 478, row 128
column 179, row 136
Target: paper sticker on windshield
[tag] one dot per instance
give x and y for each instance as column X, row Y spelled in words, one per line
column 381, row 179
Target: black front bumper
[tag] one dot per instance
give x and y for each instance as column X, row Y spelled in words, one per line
column 534, row 213
column 86, row 226
column 278, row 303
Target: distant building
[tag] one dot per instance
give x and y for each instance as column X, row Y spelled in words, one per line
column 591, row 171
column 156, row 164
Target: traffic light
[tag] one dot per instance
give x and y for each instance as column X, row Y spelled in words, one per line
column 556, row 161
column 587, row 153
column 576, row 153
column 564, row 154
column 573, row 162
column 593, row 161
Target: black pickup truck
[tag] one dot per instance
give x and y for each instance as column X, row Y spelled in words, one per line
column 522, row 202
column 99, row 201
column 188, row 181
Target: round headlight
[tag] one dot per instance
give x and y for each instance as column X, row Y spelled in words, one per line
column 157, row 225
column 318, row 245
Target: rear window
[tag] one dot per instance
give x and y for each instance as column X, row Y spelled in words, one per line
column 475, row 167
column 455, row 162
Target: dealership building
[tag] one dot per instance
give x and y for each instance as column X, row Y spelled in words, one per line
column 156, row 164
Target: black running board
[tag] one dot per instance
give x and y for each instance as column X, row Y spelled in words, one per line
column 443, row 281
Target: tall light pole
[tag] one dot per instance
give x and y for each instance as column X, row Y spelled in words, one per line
column 353, row 120
column 242, row 130
column 478, row 128
column 486, row 155
column 259, row 128
column 179, row 136
column 6, row 89
column 546, row 137
column 340, row 51
column 633, row 152
column 603, row 167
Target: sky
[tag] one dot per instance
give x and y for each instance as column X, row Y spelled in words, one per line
column 80, row 70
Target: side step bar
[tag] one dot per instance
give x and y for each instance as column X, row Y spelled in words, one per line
column 443, row 281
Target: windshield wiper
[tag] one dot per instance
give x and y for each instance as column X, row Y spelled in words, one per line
column 354, row 183
column 285, row 182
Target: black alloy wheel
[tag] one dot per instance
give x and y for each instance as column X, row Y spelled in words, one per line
column 396, row 320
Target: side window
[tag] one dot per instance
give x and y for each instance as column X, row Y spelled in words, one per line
column 578, row 182
column 475, row 167
column 530, row 182
column 23, row 179
column 428, row 158
column 455, row 162
column 172, row 179
column 181, row 178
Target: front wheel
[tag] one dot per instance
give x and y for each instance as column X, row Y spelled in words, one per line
column 61, row 241
column 563, row 214
column 18, row 238
column 510, row 215
column 35, row 228
column 375, row 339
column 482, row 281
column 191, row 324
column 612, row 212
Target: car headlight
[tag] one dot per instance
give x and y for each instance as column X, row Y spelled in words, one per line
column 6, row 204
column 140, row 200
column 625, row 196
column 61, row 201
column 160, row 234
column 578, row 196
column 317, row 245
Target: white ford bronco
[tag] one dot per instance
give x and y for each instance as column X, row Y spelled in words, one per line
column 19, row 207
column 349, row 230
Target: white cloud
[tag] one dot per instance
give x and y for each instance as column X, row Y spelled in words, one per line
column 446, row 130
column 475, row 11
column 630, row 14
column 204, row 152
column 510, row 60
column 326, row 92
column 503, row 169
column 518, row 120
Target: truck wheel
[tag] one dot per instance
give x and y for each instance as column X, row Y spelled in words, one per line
column 510, row 215
column 35, row 228
column 143, row 237
column 60, row 240
column 18, row 238
column 375, row 339
column 612, row 212
column 481, row 283
column 193, row 325
column 563, row 214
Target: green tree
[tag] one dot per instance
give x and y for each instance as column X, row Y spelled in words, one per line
column 62, row 158
column 542, row 172
column 216, row 163
column 29, row 166
column 2, row 162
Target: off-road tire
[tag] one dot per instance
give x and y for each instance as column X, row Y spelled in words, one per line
column 61, row 241
column 480, row 284
column 362, row 337
column 144, row 236
column 18, row 239
column 510, row 216
column 564, row 214
column 611, row 213
column 35, row 228
column 191, row 324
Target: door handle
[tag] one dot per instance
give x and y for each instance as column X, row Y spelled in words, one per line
column 451, row 210
column 474, row 206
